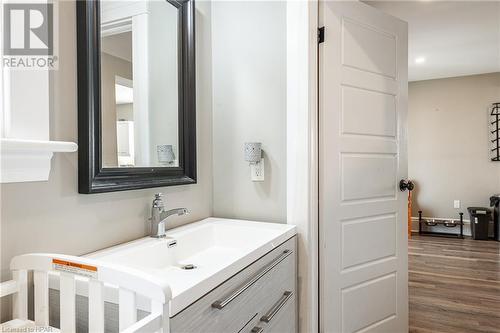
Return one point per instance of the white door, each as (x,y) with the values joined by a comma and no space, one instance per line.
(362,124)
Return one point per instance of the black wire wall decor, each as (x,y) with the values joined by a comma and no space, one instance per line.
(495,132)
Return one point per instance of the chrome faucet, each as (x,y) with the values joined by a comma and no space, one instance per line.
(159,215)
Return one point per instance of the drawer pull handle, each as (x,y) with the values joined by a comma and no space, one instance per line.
(277,307)
(220,304)
(257,329)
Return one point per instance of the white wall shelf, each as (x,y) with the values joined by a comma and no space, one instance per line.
(37,146)
(29,160)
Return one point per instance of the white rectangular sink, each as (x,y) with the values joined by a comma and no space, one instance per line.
(217,248)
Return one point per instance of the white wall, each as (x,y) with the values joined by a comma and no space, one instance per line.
(52,217)
(249,104)
(448,143)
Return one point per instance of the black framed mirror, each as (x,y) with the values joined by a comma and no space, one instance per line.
(136,94)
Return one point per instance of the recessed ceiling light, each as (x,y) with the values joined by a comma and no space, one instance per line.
(419,60)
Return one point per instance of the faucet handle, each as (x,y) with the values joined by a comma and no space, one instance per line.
(158,201)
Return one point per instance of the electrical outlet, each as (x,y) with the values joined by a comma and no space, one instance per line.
(456,204)
(257,171)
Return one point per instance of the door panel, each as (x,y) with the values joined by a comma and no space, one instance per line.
(362,120)
(368,176)
(367,303)
(379,119)
(379,233)
(368,48)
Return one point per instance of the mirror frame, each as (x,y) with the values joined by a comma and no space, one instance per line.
(92,177)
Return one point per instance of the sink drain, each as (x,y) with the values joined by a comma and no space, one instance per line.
(188,266)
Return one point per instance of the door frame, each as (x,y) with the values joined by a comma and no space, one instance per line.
(302,152)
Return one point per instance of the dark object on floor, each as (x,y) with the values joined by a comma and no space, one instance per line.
(495,203)
(446,223)
(480,218)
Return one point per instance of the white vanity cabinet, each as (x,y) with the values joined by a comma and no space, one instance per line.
(242,277)
(260,298)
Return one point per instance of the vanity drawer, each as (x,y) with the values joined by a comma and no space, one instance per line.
(248,295)
(282,319)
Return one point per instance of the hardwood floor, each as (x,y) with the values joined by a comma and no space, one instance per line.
(454,285)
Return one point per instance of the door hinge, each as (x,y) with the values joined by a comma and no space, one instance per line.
(321,35)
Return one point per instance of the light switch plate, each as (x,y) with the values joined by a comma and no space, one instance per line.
(257,171)
(456,204)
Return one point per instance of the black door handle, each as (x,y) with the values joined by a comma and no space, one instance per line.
(405,184)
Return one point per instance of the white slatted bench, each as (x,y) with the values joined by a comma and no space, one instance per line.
(129,282)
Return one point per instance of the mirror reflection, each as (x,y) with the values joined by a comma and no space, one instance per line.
(139,84)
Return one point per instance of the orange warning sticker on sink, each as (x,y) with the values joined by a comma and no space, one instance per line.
(74,268)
